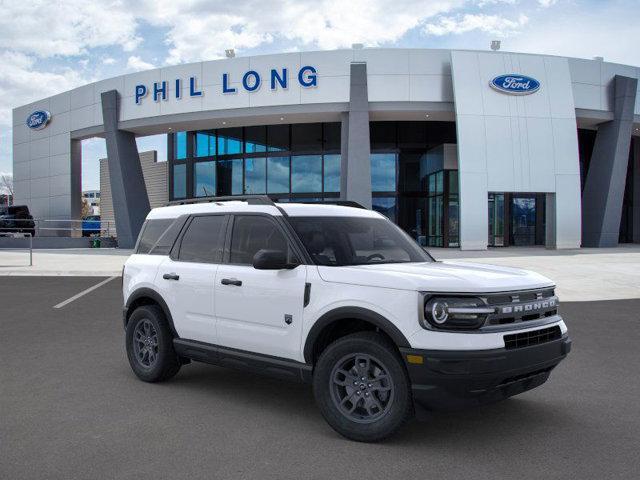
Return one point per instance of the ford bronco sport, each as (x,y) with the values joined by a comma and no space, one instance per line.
(339,297)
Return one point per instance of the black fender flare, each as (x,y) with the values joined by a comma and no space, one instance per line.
(357,313)
(157,298)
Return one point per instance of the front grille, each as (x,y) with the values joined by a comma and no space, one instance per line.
(534,337)
(525,306)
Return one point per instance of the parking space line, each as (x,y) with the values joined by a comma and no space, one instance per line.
(83,293)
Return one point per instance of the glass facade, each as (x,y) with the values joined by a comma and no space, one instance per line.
(288,162)
(410,182)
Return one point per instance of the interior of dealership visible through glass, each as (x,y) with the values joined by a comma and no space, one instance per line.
(414,175)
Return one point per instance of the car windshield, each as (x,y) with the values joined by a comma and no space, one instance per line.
(340,241)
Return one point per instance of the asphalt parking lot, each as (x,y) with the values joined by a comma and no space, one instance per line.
(71,408)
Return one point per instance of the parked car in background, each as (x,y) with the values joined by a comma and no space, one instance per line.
(91,225)
(17,219)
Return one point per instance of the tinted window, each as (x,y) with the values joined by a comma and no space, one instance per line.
(203,240)
(204,179)
(278,175)
(252,233)
(151,232)
(180,180)
(339,241)
(180,146)
(383,172)
(229,177)
(306,136)
(278,137)
(255,139)
(332,173)
(331,133)
(168,238)
(229,141)
(255,175)
(205,144)
(306,173)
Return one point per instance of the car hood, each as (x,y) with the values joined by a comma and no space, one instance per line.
(447,276)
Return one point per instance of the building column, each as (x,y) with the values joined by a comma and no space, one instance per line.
(604,187)
(128,190)
(355,178)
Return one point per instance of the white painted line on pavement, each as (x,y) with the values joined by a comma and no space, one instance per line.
(83,293)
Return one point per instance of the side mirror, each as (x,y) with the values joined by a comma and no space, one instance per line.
(271,260)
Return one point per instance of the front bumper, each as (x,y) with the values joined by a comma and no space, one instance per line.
(449,380)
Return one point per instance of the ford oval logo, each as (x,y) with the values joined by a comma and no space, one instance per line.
(515,84)
(38,119)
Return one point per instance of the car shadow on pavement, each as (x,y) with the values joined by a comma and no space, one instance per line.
(513,420)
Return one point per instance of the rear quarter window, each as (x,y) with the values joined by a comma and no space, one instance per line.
(151,233)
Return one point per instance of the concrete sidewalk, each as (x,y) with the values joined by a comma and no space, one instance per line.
(581,275)
(85,262)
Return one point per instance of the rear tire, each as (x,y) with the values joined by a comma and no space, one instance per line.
(150,345)
(362,388)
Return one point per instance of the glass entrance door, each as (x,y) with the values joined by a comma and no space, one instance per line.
(496,220)
(523,220)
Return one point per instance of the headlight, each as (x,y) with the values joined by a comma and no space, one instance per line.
(455,313)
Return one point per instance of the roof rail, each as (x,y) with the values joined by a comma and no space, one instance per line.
(250,199)
(260,200)
(340,203)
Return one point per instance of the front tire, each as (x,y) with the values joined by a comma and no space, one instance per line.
(362,387)
(150,345)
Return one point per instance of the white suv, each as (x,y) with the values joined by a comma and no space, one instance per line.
(339,297)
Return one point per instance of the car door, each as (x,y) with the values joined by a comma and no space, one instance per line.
(259,310)
(187,277)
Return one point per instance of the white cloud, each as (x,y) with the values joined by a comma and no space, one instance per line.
(8,178)
(135,63)
(108,61)
(547,3)
(21,83)
(204,30)
(491,24)
(46,28)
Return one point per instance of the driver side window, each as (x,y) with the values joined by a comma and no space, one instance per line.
(252,233)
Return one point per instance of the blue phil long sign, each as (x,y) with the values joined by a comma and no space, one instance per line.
(251,81)
(515,84)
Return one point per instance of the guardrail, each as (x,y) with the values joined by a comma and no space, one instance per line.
(44,227)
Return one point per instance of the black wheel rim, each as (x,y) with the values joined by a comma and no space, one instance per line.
(361,388)
(145,343)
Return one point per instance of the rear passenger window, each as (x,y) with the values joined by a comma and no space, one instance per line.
(152,231)
(168,238)
(252,233)
(204,240)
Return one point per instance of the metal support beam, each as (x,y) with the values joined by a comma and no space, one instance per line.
(604,187)
(128,190)
(355,178)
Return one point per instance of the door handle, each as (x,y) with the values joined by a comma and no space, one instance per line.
(231,281)
(171,276)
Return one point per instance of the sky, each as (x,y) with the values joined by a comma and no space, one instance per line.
(48,47)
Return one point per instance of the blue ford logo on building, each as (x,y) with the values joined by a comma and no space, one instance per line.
(515,84)
(38,119)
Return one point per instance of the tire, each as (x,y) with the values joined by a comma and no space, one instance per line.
(383,405)
(153,358)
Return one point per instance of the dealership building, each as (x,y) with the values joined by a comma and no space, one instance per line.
(460,148)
